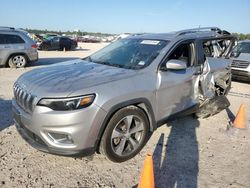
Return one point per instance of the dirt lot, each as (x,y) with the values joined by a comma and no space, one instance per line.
(187,152)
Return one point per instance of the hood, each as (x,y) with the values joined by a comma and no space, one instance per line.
(64,78)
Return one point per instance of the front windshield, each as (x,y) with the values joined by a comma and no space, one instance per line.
(129,53)
(242,47)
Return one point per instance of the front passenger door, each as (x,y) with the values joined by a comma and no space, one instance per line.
(175,90)
(55,43)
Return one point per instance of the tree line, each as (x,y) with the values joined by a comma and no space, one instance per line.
(239,36)
(59,32)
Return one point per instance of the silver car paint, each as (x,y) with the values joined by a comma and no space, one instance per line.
(6,50)
(167,91)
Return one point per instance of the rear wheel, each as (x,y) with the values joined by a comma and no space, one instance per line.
(17,61)
(125,135)
(45,47)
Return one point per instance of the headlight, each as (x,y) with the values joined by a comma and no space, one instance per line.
(72,103)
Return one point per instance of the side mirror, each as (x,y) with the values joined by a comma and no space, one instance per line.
(175,64)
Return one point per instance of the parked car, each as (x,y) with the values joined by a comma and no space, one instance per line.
(17,49)
(57,43)
(49,35)
(88,39)
(241,61)
(113,100)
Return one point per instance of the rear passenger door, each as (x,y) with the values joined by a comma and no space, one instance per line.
(9,44)
(175,90)
(55,43)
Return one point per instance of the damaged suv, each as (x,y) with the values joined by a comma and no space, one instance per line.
(111,101)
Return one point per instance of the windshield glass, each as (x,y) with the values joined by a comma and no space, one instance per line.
(129,53)
(242,47)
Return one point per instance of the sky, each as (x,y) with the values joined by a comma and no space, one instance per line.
(126,16)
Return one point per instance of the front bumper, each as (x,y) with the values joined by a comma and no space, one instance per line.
(81,125)
(33,55)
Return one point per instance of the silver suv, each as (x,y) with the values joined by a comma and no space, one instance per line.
(241,61)
(16,48)
(113,100)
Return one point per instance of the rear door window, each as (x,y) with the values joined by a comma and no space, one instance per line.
(216,48)
(13,39)
(2,39)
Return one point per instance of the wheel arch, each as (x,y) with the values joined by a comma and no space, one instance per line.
(141,103)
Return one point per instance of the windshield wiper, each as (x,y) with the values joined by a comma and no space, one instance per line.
(114,65)
(108,63)
(87,59)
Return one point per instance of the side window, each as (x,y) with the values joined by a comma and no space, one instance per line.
(63,39)
(13,39)
(56,39)
(184,52)
(2,39)
(215,48)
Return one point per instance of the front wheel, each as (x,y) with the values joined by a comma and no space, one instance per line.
(45,47)
(126,134)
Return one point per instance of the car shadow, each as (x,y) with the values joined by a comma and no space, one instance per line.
(51,61)
(6,117)
(176,160)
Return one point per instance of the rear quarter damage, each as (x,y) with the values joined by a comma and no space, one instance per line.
(215,81)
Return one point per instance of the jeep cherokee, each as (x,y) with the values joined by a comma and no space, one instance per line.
(111,101)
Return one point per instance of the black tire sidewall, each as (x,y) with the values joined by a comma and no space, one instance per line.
(45,47)
(105,146)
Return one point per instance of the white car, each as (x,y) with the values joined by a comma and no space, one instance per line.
(241,61)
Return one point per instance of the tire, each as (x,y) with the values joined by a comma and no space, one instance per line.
(69,47)
(119,142)
(73,47)
(17,61)
(45,47)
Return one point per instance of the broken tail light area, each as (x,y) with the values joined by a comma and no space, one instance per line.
(34,46)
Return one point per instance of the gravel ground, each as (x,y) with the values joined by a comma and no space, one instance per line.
(187,152)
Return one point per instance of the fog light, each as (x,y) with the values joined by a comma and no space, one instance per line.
(60,138)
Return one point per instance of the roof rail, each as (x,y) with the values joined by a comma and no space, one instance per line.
(6,28)
(195,30)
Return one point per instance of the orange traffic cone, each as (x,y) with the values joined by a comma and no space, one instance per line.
(240,120)
(147,175)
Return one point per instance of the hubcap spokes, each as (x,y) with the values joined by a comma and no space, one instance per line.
(127,135)
(18,61)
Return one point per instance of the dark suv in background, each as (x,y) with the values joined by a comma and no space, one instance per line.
(58,43)
(16,48)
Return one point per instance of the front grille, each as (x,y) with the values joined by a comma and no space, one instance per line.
(240,64)
(24,99)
